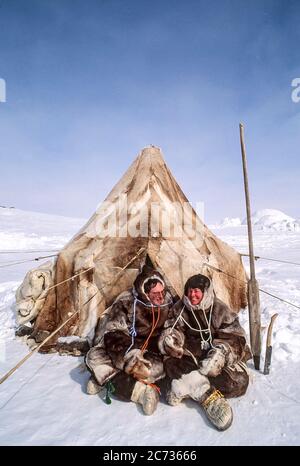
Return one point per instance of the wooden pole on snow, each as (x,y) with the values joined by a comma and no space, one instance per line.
(253,291)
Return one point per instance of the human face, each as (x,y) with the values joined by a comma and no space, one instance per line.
(195,296)
(157,294)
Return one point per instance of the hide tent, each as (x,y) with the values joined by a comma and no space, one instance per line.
(146,219)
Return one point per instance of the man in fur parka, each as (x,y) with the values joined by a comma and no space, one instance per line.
(205,350)
(126,349)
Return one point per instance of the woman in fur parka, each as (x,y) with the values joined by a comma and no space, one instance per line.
(205,352)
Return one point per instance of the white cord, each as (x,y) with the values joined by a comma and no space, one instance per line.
(200,330)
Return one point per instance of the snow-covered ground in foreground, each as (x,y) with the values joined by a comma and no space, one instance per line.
(44,402)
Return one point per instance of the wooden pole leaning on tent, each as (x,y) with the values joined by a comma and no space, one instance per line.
(9,373)
(253,291)
(268,355)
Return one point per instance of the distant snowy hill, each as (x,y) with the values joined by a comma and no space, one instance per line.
(230,222)
(275,220)
(21,230)
(265,219)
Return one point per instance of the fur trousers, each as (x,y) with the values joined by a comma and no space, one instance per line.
(232,381)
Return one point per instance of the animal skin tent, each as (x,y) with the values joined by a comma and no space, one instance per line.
(141,219)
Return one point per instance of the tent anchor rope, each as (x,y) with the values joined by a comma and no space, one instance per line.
(57,250)
(28,251)
(260,289)
(9,373)
(269,259)
(8,264)
(41,367)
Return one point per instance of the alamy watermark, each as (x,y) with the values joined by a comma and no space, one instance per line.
(296,92)
(2,90)
(165,219)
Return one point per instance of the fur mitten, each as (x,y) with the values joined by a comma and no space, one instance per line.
(171,343)
(136,365)
(214,363)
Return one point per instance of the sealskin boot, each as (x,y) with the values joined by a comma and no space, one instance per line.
(146,396)
(93,387)
(218,410)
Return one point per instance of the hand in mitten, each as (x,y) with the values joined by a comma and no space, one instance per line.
(136,365)
(214,363)
(171,343)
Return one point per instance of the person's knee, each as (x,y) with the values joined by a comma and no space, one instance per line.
(232,382)
(175,368)
(124,385)
(244,382)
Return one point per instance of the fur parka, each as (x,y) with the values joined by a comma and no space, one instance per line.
(124,328)
(196,329)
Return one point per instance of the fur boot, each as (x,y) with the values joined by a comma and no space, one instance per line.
(93,387)
(218,410)
(146,396)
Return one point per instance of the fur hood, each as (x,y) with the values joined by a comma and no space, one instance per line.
(222,321)
(141,280)
(208,294)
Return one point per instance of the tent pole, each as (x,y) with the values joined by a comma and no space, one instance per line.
(253,291)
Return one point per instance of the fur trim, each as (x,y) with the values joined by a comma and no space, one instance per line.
(146,396)
(140,281)
(137,392)
(193,385)
(171,342)
(214,363)
(136,364)
(103,373)
(197,281)
(153,277)
(207,300)
(100,365)
(93,387)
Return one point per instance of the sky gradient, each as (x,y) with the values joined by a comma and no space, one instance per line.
(90,83)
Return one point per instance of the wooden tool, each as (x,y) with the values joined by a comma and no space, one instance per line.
(269,346)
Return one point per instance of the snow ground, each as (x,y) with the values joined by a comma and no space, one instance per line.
(44,402)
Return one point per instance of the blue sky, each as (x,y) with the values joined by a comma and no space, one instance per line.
(90,83)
